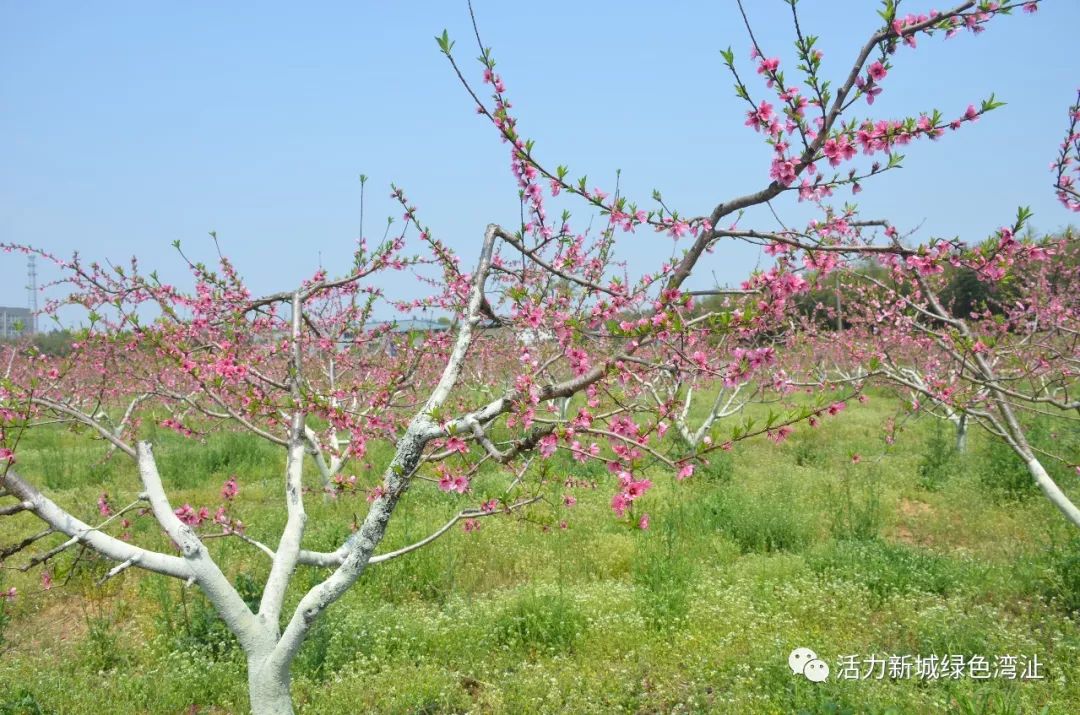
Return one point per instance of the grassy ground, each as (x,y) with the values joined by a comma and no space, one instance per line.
(917,553)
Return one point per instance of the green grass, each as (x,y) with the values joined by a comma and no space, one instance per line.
(769,548)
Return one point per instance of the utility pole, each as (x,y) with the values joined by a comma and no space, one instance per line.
(839,317)
(31,293)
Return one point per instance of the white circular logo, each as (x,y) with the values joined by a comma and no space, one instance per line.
(816,671)
(799,658)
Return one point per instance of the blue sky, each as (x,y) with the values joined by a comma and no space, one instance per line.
(127,125)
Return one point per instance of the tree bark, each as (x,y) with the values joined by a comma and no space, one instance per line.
(1051,489)
(268,688)
(961,433)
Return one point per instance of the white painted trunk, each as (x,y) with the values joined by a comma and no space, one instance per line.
(563,405)
(1052,491)
(961,433)
(268,688)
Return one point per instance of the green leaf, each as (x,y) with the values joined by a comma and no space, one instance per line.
(1023,213)
(991,103)
(444,42)
(888,11)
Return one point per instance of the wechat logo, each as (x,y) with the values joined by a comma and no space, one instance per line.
(804,661)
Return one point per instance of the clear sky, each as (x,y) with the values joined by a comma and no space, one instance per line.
(127,125)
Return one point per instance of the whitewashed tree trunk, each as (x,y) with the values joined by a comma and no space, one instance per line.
(563,406)
(1050,488)
(268,687)
(724,405)
(961,422)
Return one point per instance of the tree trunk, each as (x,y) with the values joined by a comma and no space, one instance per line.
(563,404)
(268,688)
(1051,489)
(961,433)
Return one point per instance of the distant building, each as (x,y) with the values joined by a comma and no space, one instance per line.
(411,325)
(529,337)
(414,327)
(15,322)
